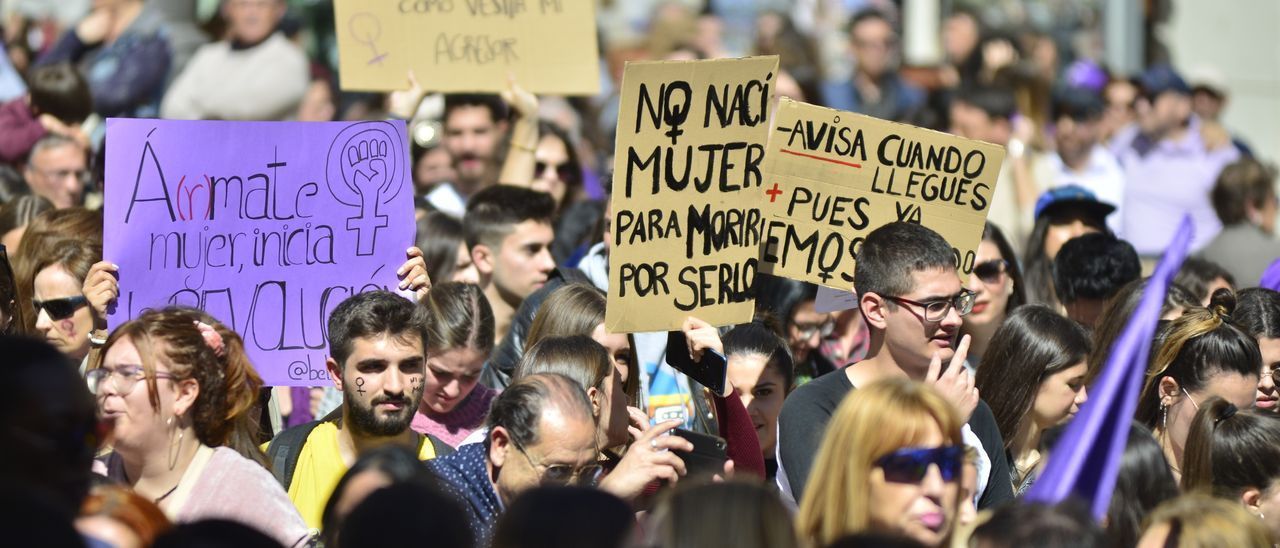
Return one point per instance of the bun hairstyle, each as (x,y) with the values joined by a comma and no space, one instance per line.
(1199,344)
(1229,450)
(222,414)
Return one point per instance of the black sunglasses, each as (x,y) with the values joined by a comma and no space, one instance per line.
(60,309)
(911,465)
(567,172)
(990,271)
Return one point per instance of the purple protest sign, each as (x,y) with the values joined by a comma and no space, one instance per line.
(265,225)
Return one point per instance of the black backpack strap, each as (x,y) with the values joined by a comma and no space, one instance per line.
(284,449)
(441,448)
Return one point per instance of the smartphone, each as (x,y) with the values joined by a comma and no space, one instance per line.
(712,371)
(708,455)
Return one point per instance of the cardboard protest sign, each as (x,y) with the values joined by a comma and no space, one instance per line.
(832,177)
(468,45)
(687,173)
(267,226)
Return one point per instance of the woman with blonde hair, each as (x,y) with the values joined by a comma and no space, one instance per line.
(578,309)
(1202,521)
(891,462)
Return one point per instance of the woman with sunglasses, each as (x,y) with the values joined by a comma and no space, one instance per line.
(180,396)
(890,462)
(1258,313)
(1235,454)
(1198,355)
(997,283)
(1033,378)
(62,313)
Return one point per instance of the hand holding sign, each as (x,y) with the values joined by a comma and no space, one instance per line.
(413,273)
(101,288)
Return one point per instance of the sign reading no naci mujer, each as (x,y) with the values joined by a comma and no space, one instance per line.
(267,226)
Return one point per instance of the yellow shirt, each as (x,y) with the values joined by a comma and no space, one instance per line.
(320,467)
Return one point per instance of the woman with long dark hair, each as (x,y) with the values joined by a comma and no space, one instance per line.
(997,281)
(1033,376)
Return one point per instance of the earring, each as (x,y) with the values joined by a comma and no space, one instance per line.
(1164,418)
(175,450)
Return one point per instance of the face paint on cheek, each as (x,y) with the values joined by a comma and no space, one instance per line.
(360,385)
(68,327)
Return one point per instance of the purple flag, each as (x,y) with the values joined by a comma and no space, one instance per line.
(1086,460)
(267,226)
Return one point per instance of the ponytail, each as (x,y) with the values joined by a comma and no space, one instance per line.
(1230,450)
(1197,456)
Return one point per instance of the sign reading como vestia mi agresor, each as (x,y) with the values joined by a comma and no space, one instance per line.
(267,226)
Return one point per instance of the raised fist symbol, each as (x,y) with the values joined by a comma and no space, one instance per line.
(367,159)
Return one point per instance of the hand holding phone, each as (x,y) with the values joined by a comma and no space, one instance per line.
(709,368)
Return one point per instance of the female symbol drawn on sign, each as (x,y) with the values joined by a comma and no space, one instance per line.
(364,171)
(366,29)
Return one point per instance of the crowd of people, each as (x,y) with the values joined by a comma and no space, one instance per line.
(497,409)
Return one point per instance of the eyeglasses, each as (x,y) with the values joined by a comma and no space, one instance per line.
(990,272)
(1275,376)
(60,309)
(937,310)
(567,172)
(563,474)
(122,378)
(807,331)
(911,465)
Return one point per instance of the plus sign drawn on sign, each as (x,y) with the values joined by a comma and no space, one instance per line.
(773,193)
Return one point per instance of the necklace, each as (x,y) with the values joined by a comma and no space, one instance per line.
(167,493)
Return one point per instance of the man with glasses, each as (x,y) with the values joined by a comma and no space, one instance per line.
(875,89)
(56,170)
(912,302)
(541,431)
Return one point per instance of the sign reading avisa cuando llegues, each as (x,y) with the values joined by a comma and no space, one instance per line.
(265,225)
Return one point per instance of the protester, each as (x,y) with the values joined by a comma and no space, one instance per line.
(444,248)
(254,73)
(459,339)
(582,359)
(565,517)
(1143,483)
(760,370)
(913,301)
(379,467)
(120,517)
(1258,314)
(1244,198)
(1201,354)
(1033,377)
(794,304)
(891,461)
(509,232)
(1080,157)
(475,127)
(62,312)
(1062,214)
(579,309)
(377,357)
(58,101)
(1027,524)
(1203,278)
(546,419)
(987,113)
(56,171)
(15,215)
(1089,271)
(998,290)
(745,515)
(404,514)
(44,233)
(1170,163)
(195,379)
(876,88)
(1234,454)
(1201,521)
(47,427)
(122,49)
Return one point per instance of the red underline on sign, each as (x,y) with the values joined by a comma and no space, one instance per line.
(850,164)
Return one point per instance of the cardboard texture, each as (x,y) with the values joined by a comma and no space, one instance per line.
(687,176)
(267,226)
(831,177)
(468,45)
